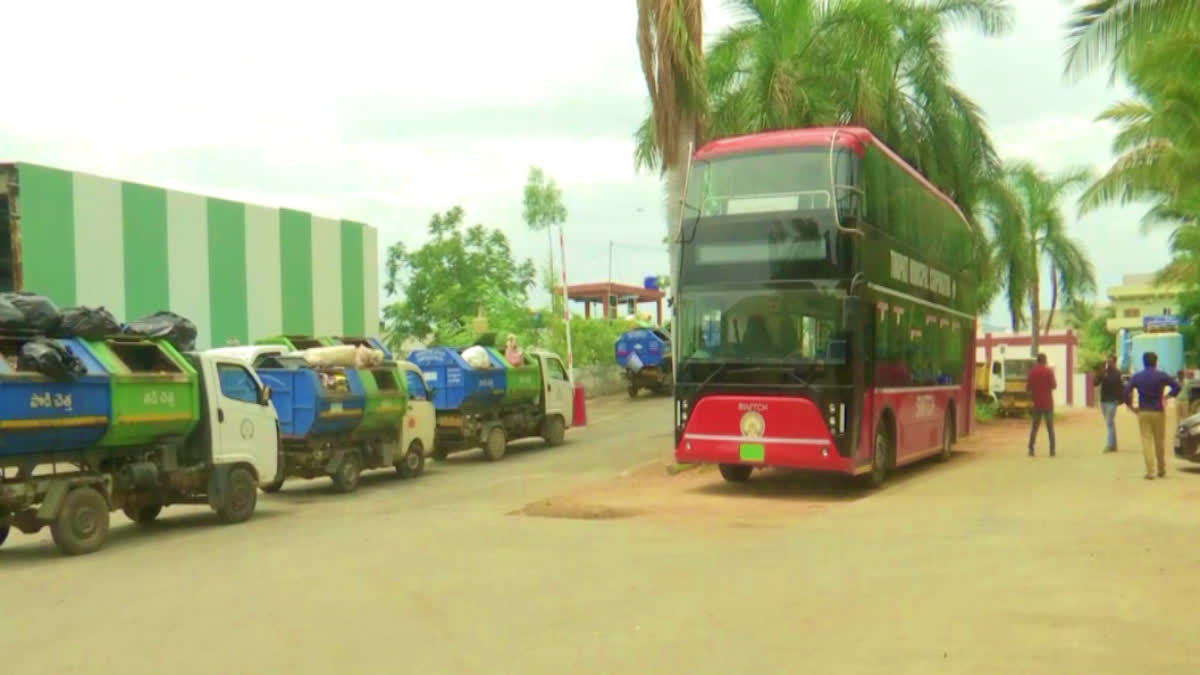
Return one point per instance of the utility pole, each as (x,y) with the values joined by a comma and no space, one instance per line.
(608,292)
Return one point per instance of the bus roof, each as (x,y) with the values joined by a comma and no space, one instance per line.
(854,138)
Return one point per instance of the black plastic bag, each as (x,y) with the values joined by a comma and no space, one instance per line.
(177,330)
(50,358)
(11,318)
(39,313)
(89,323)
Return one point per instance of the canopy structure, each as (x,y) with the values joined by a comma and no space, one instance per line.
(609,295)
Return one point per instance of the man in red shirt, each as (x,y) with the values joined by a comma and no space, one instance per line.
(1041,385)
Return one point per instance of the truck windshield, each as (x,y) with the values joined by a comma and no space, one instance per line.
(1017,368)
(783,326)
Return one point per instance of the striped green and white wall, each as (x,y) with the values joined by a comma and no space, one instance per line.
(239,271)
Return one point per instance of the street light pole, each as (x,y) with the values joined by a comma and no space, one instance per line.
(608,298)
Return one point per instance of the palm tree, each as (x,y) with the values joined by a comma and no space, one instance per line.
(1118,31)
(879,63)
(670,43)
(1029,228)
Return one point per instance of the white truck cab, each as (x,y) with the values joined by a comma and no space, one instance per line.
(250,355)
(420,420)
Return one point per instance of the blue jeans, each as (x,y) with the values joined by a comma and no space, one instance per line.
(1038,416)
(1109,410)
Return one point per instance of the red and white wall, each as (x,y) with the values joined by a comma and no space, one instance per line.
(1059,346)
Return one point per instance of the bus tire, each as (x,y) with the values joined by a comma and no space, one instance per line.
(412,464)
(947,435)
(495,444)
(82,523)
(735,473)
(881,456)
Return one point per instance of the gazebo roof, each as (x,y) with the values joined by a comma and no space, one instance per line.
(597,292)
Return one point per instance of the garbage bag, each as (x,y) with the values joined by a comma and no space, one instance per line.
(337,356)
(11,318)
(39,314)
(365,357)
(50,358)
(89,323)
(477,357)
(175,329)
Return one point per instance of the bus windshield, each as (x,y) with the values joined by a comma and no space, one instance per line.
(764,182)
(763,325)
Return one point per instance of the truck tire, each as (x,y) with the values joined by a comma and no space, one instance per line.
(554,431)
(82,523)
(3,533)
(240,497)
(273,487)
(345,478)
(412,464)
(735,473)
(495,444)
(633,391)
(440,454)
(142,514)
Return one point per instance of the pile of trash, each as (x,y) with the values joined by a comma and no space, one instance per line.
(30,314)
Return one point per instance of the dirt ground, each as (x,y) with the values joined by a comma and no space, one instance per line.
(990,563)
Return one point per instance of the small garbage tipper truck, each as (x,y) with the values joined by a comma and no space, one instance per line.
(492,402)
(337,420)
(140,427)
(645,355)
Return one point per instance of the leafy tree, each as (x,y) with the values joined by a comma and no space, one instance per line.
(450,277)
(542,208)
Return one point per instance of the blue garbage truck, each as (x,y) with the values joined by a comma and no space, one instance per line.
(645,355)
(488,405)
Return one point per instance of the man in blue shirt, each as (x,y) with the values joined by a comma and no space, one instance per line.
(1149,383)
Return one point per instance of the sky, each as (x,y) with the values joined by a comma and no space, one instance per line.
(390,112)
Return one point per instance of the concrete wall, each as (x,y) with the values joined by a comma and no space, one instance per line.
(601,380)
(1059,348)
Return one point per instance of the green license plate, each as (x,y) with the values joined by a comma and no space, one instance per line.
(751,452)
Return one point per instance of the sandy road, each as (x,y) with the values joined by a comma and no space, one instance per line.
(991,563)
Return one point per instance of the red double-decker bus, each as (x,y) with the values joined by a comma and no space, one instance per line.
(825,312)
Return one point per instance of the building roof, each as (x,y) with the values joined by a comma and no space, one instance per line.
(597,292)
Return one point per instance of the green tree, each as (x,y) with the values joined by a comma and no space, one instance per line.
(670,43)
(450,277)
(1029,233)
(542,208)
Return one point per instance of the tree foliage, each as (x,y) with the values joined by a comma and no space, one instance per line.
(446,281)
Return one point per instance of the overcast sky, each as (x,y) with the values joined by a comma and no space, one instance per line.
(388,113)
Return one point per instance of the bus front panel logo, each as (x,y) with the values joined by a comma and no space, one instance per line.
(753,425)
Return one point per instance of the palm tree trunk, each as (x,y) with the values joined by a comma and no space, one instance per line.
(677,169)
(1053,299)
(1035,301)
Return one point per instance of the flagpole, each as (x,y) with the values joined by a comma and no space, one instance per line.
(562,247)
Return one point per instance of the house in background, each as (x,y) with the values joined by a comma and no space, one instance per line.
(1138,297)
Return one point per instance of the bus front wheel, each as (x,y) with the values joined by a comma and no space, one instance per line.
(881,457)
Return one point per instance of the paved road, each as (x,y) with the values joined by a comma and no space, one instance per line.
(991,563)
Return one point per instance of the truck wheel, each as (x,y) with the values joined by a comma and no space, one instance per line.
(554,431)
(413,462)
(736,473)
(241,498)
(633,391)
(82,523)
(496,444)
(440,454)
(274,486)
(3,533)
(142,514)
(947,436)
(345,478)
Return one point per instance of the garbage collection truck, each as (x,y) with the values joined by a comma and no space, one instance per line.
(337,421)
(143,427)
(490,406)
(645,355)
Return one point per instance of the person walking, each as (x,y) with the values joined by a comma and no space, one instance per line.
(1112,392)
(1040,384)
(1149,383)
